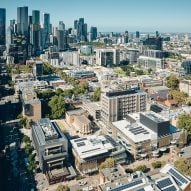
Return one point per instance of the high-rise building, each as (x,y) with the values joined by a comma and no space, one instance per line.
(81,30)
(107,57)
(116,105)
(46,30)
(2,26)
(154,43)
(137,34)
(61,25)
(93,33)
(75,24)
(35,32)
(60,39)
(22,21)
(10,33)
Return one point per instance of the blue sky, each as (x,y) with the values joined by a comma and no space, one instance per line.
(113,15)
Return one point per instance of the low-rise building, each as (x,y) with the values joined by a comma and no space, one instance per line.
(79,120)
(52,151)
(158,92)
(25,77)
(147,134)
(93,108)
(91,151)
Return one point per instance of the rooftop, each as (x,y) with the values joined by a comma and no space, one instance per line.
(47,132)
(92,146)
(154,116)
(179,178)
(135,131)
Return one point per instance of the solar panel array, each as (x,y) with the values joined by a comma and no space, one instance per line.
(81,139)
(141,189)
(129,185)
(179,179)
(138,130)
(164,183)
(171,188)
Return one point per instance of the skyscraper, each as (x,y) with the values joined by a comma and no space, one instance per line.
(60,39)
(2,26)
(81,30)
(10,33)
(93,33)
(137,34)
(61,25)
(75,24)
(36,17)
(35,32)
(22,21)
(46,30)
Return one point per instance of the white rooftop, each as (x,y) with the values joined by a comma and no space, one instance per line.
(143,133)
(91,146)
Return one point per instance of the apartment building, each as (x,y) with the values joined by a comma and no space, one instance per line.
(52,151)
(116,105)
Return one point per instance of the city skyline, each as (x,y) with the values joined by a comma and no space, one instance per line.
(116,16)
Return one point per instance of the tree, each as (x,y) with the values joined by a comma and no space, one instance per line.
(108,163)
(180,97)
(124,62)
(24,122)
(150,71)
(139,72)
(157,164)
(142,168)
(26,139)
(57,107)
(47,69)
(97,94)
(172,82)
(62,188)
(183,166)
(184,122)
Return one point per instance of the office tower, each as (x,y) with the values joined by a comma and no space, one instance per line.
(157,34)
(93,33)
(116,105)
(126,37)
(22,21)
(35,32)
(108,57)
(10,33)
(81,30)
(137,34)
(60,39)
(61,25)
(2,26)
(30,20)
(45,31)
(75,24)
